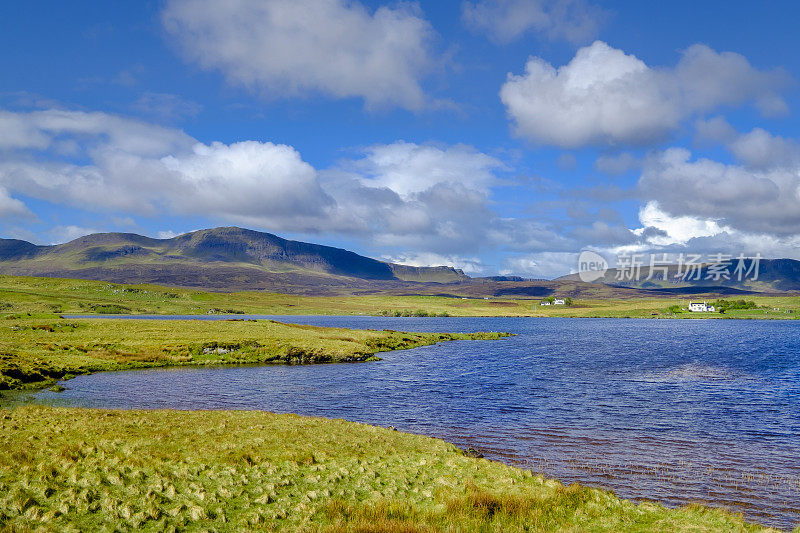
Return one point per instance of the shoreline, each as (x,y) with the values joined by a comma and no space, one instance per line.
(211,318)
(36,353)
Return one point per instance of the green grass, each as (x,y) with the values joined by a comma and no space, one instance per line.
(100,470)
(48,297)
(35,352)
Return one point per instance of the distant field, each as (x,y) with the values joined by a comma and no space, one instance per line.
(100,470)
(52,296)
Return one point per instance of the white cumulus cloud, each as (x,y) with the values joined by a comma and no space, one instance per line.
(248,178)
(122,165)
(604,96)
(409,168)
(283,48)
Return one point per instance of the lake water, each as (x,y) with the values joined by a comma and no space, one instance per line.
(672,410)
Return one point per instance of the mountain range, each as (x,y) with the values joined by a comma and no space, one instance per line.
(220,258)
(231,258)
(762,276)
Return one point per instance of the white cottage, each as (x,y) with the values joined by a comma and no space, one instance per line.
(701,307)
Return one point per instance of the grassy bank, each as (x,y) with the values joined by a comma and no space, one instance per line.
(93,470)
(35,352)
(20,296)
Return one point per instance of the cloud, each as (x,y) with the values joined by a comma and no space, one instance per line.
(713,130)
(123,221)
(761,149)
(672,229)
(729,241)
(166,234)
(246,179)
(409,168)
(286,48)
(605,97)
(11,207)
(123,165)
(617,164)
(423,196)
(543,265)
(707,206)
(754,200)
(62,234)
(130,76)
(18,132)
(529,234)
(758,148)
(575,21)
(44,130)
(400,196)
(471,266)
(599,232)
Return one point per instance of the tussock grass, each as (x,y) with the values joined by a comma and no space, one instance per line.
(101,470)
(35,352)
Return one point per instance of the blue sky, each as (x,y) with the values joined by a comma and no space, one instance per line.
(496,136)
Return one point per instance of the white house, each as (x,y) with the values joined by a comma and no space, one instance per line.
(544,302)
(701,307)
(559,302)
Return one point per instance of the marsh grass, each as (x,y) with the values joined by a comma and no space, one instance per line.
(36,352)
(94,470)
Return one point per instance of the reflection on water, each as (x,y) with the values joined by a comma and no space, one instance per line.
(674,410)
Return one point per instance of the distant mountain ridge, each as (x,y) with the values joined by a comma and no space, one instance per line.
(212,255)
(765,275)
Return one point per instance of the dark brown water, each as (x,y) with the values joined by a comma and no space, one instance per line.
(672,410)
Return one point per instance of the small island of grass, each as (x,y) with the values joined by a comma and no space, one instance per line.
(36,352)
